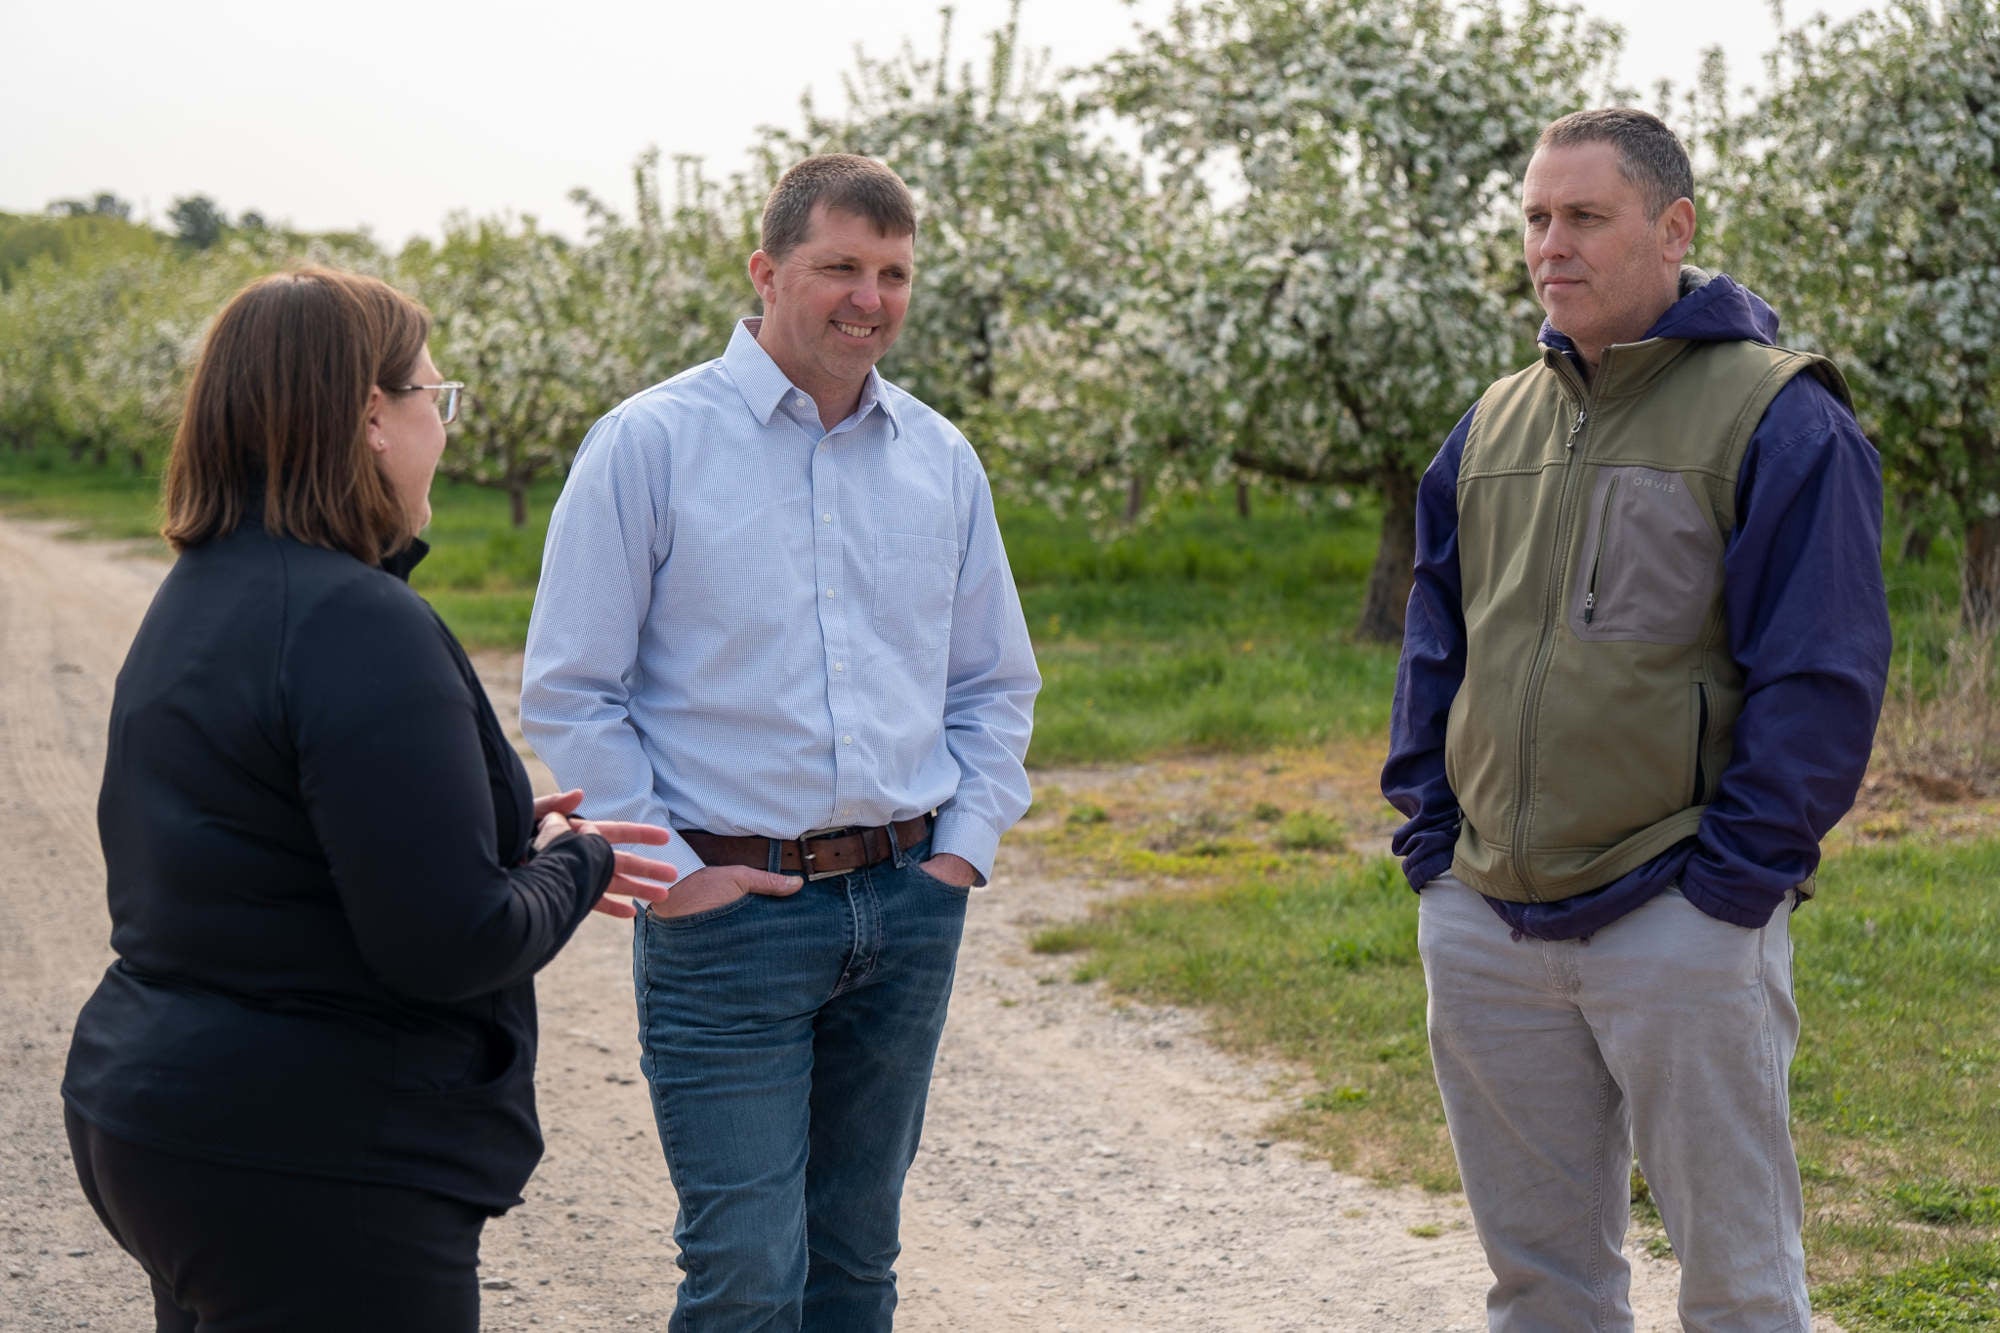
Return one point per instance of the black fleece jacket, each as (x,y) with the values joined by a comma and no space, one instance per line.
(323,899)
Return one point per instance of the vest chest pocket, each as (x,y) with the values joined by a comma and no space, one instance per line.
(1649,568)
(915,578)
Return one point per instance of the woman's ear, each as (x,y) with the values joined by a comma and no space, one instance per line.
(371,419)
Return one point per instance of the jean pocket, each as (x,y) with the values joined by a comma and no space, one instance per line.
(926,877)
(693,919)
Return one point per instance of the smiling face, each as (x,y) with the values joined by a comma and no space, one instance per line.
(407,435)
(1602,269)
(833,304)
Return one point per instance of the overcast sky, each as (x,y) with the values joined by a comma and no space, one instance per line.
(393,113)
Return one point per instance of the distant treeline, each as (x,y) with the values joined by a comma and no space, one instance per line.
(1301,276)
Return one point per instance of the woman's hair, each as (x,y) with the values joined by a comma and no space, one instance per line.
(277,414)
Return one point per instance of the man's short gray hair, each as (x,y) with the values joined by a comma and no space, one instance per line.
(1649,154)
(843,181)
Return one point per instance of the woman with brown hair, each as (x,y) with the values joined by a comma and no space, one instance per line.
(308,1078)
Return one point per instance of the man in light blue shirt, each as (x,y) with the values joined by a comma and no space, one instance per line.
(776,616)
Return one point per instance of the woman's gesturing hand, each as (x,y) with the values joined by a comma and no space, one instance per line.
(632,876)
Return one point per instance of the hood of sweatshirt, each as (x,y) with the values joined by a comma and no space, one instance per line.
(1711,308)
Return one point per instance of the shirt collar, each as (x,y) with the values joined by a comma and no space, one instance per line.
(764,386)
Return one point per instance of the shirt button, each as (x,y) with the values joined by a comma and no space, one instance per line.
(839,667)
(826,518)
(801,402)
(829,592)
(847,740)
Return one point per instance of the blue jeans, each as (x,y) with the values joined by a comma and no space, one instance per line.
(788,1044)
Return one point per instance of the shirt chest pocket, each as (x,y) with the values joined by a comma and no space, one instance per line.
(1650,566)
(915,578)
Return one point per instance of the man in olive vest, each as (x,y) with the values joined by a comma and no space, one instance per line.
(1641,670)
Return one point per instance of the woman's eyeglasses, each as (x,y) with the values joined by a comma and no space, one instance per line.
(448,395)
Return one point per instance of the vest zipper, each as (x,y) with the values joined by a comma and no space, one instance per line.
(1700,739)
(1538,672)
(1597,556)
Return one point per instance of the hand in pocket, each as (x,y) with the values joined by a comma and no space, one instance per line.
(949,869)
(718,886)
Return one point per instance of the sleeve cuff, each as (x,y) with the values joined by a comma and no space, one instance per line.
(1421,870)
(1729,907)
(967,836)
(594,875)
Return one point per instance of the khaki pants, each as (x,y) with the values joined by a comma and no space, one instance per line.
(1668,1030)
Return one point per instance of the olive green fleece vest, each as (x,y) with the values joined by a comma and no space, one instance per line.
(1600,696)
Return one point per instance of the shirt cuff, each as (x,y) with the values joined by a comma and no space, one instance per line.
(1422,870)
(967,836)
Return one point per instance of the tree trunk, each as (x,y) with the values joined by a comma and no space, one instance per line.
(1388,593)
(1242,498)
(982,357)
(1135,497)
(1979,581)
(1915,548)
(517,502)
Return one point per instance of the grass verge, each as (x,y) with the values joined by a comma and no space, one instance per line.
(111,503)
(1310,955)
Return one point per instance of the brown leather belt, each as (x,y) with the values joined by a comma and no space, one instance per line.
(820,856)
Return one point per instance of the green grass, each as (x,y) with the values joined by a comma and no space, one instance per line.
(112,503)
(1896,1089)
(1923,607)
(1898,974)
(1896,1086)
(481,572)
(1961,1291)
(1948,1202)
(1202,632)
(1199,633)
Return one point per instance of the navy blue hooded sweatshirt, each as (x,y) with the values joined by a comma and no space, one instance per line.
(1808,622)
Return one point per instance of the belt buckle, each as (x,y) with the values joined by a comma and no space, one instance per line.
(806,857)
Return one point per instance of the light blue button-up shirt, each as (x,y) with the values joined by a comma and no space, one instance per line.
(750,624)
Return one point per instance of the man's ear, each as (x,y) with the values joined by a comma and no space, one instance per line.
(763,269)
(1677,230)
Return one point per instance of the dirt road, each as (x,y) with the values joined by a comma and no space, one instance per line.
(1086,1166)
